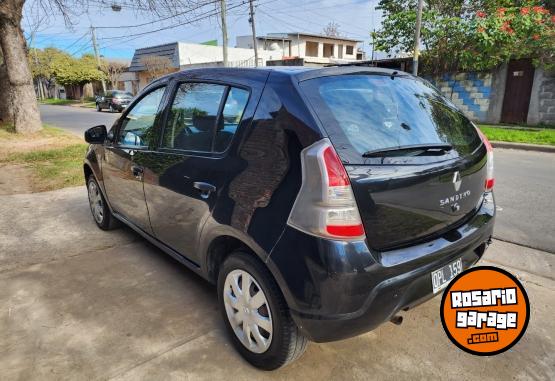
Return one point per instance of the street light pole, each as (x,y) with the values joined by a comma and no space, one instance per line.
(224,29)
(95,48)
(254,42)
(417,38)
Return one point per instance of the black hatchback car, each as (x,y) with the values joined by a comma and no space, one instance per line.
(320,201)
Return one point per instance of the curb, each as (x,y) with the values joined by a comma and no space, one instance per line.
(524,146)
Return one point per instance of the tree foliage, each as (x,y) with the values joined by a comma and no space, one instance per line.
(156,66)
(332,29)
(113,70)
(469,35)
(54,64)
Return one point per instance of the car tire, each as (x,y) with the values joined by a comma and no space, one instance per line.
(99,208)
(98,108)
(283,342)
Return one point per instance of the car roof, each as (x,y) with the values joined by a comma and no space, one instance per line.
(299,72)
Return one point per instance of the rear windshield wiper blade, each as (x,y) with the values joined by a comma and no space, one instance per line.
(414,147)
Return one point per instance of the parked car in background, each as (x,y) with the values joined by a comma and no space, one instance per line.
(113,100)
(320,201)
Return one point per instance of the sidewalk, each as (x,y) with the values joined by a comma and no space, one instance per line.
(80,303)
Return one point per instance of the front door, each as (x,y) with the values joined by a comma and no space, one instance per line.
(122,169)
(518,88)
(192,166)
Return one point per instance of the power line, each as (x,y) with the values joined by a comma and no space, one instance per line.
(159,20)
(203,16)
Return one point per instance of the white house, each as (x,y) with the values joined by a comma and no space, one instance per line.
(314,49)
(181,55)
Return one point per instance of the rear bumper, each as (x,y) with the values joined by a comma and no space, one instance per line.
(337,290)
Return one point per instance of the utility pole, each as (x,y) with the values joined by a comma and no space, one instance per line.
(254,42)
(224,29)
(95,47)
(417,38)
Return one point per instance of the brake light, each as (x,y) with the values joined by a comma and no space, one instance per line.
(490,180)
(325,205)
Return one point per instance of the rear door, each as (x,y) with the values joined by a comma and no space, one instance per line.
(123,162)
(404,194)
(195,160)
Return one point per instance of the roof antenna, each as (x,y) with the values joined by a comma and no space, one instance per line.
(394,74)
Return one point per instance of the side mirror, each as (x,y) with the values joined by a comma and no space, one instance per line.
(96,134)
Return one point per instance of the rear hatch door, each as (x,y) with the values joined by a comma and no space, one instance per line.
(416,163)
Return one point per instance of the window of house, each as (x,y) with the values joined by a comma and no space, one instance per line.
(311,49)
(350,50)
(328,50)
(139,121)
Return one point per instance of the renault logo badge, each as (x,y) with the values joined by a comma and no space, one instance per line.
(457,181)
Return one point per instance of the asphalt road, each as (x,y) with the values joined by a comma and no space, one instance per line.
(525,182)
(75,119)
(524,189)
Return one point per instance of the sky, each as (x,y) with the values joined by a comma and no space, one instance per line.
(356,18)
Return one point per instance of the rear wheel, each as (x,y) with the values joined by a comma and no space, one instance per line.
(256,314)
(99,209)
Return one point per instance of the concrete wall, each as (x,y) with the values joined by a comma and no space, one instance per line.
(470,92)
(480,95)
(192,54)
(542,100)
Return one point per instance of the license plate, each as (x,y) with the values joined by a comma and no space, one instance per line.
(444,275)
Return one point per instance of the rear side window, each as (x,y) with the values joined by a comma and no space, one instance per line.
(373,112)
(195,122)
(232,113)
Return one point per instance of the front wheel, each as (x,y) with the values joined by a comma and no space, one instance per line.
(99,209)
(256,314)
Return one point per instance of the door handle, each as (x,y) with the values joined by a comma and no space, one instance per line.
(137,171)
(204,188)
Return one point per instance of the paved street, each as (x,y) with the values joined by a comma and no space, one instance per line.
(525,182)
(524,189)
(80,303)
(76,119)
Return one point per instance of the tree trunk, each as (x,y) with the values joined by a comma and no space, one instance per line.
(22,103)
(5,116)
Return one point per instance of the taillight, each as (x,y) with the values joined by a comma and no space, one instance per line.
(490,180)
(325,205)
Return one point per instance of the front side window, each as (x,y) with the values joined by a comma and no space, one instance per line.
(194,123)
(138,124)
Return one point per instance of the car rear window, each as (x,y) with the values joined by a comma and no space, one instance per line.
(366,112)
(123,95)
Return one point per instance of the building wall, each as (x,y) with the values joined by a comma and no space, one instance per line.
(470,92)
(542,100)
(192,54)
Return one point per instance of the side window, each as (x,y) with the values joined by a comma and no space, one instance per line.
(193,116)
(139,122)
(232,113)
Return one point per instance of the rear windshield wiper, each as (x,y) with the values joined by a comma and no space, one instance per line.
(440,148)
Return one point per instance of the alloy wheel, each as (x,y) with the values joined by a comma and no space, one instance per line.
(248,311)
(95,202)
